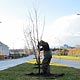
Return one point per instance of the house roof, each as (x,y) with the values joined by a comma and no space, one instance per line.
(2,44)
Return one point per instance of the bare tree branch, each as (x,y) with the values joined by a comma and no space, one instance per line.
(42,29)
(32,33)
(36,24)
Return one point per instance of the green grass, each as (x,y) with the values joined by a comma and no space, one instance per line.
(19,72)
(67,57)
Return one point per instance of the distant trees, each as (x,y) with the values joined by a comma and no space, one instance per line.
(62,52)
(68,51)
(74,52)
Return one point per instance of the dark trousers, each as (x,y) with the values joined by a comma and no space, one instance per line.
(45,65)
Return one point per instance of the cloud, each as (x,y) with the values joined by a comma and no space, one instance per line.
(66,29)
(77,34)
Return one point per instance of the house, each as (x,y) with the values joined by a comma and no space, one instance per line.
(4,50)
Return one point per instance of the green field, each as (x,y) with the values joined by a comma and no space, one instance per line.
(67,57)
(19,72)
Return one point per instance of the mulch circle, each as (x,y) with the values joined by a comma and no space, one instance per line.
(46,75)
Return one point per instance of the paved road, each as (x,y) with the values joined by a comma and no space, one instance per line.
(13,62)
(70,63)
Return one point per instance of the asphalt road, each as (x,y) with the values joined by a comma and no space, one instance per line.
(5,64)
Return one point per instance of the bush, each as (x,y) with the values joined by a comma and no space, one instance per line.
(14,56)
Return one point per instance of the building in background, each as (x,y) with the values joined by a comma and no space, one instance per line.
(4,50)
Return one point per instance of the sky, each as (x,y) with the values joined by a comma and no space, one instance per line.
(60,21)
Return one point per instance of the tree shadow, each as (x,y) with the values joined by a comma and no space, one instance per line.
(47,76)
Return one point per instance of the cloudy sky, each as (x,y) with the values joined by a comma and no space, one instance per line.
(62,25)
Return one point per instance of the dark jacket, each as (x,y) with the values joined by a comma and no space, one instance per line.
(46,48)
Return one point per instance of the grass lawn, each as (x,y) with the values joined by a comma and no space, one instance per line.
(19,72)
(67,57)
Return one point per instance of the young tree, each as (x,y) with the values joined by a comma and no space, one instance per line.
(33,34)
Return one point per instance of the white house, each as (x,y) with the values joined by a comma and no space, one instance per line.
(4,49)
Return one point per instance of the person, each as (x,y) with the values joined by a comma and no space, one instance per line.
(47,56)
